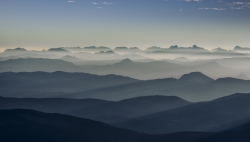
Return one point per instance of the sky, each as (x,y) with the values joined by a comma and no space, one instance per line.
(42,24)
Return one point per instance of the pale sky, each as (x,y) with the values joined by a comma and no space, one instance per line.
(42,24)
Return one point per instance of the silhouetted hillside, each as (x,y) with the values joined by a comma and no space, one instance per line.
(71,59)
(51,105)
(135,69)
(115,88)
(212,69)
(196,76)
(160,69)
(237,63)
(139,70)
(242,128)
(34,83)
(124,62)
(118,111)
(37,64)
(100,110)
(28,125)
(239,133)
(190,90)
(120,92)
(196,117)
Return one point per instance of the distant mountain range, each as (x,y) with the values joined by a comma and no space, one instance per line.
(37,64)
(239,48)
(233,63)
(72,59)
(154,49)
(58,53)
(160,69)
(144,69)
(142,65)
(192,87)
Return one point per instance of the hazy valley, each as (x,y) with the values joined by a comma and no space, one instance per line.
(199,99)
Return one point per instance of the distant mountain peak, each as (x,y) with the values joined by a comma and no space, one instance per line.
(121,48)
(57,50)
(221,50)
(213,63)
(154,48)
(241,48)
(242,76)
(16,49)
(218,49)
(106,52)
(182,59)
(69,57)
(134,48)
(126,61)
(196,76)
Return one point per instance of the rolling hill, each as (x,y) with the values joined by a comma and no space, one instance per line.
(30,126)
(193,87)
(37,64)
(160,69)
(99,110)
(43,84)
(203,116)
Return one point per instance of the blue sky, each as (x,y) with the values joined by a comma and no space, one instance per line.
(41,24)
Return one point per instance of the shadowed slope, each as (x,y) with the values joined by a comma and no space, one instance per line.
(29,126)
(196,117)
(197,77)
(192,87)
(30,84)
(100,110)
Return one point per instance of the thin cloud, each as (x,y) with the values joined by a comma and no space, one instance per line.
(190,0)
(217,9)
(106,3)
(239,5)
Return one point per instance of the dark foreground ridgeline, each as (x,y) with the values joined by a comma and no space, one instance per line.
(33,126)
(29,126)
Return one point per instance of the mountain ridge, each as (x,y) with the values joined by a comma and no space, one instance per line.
(201,116)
